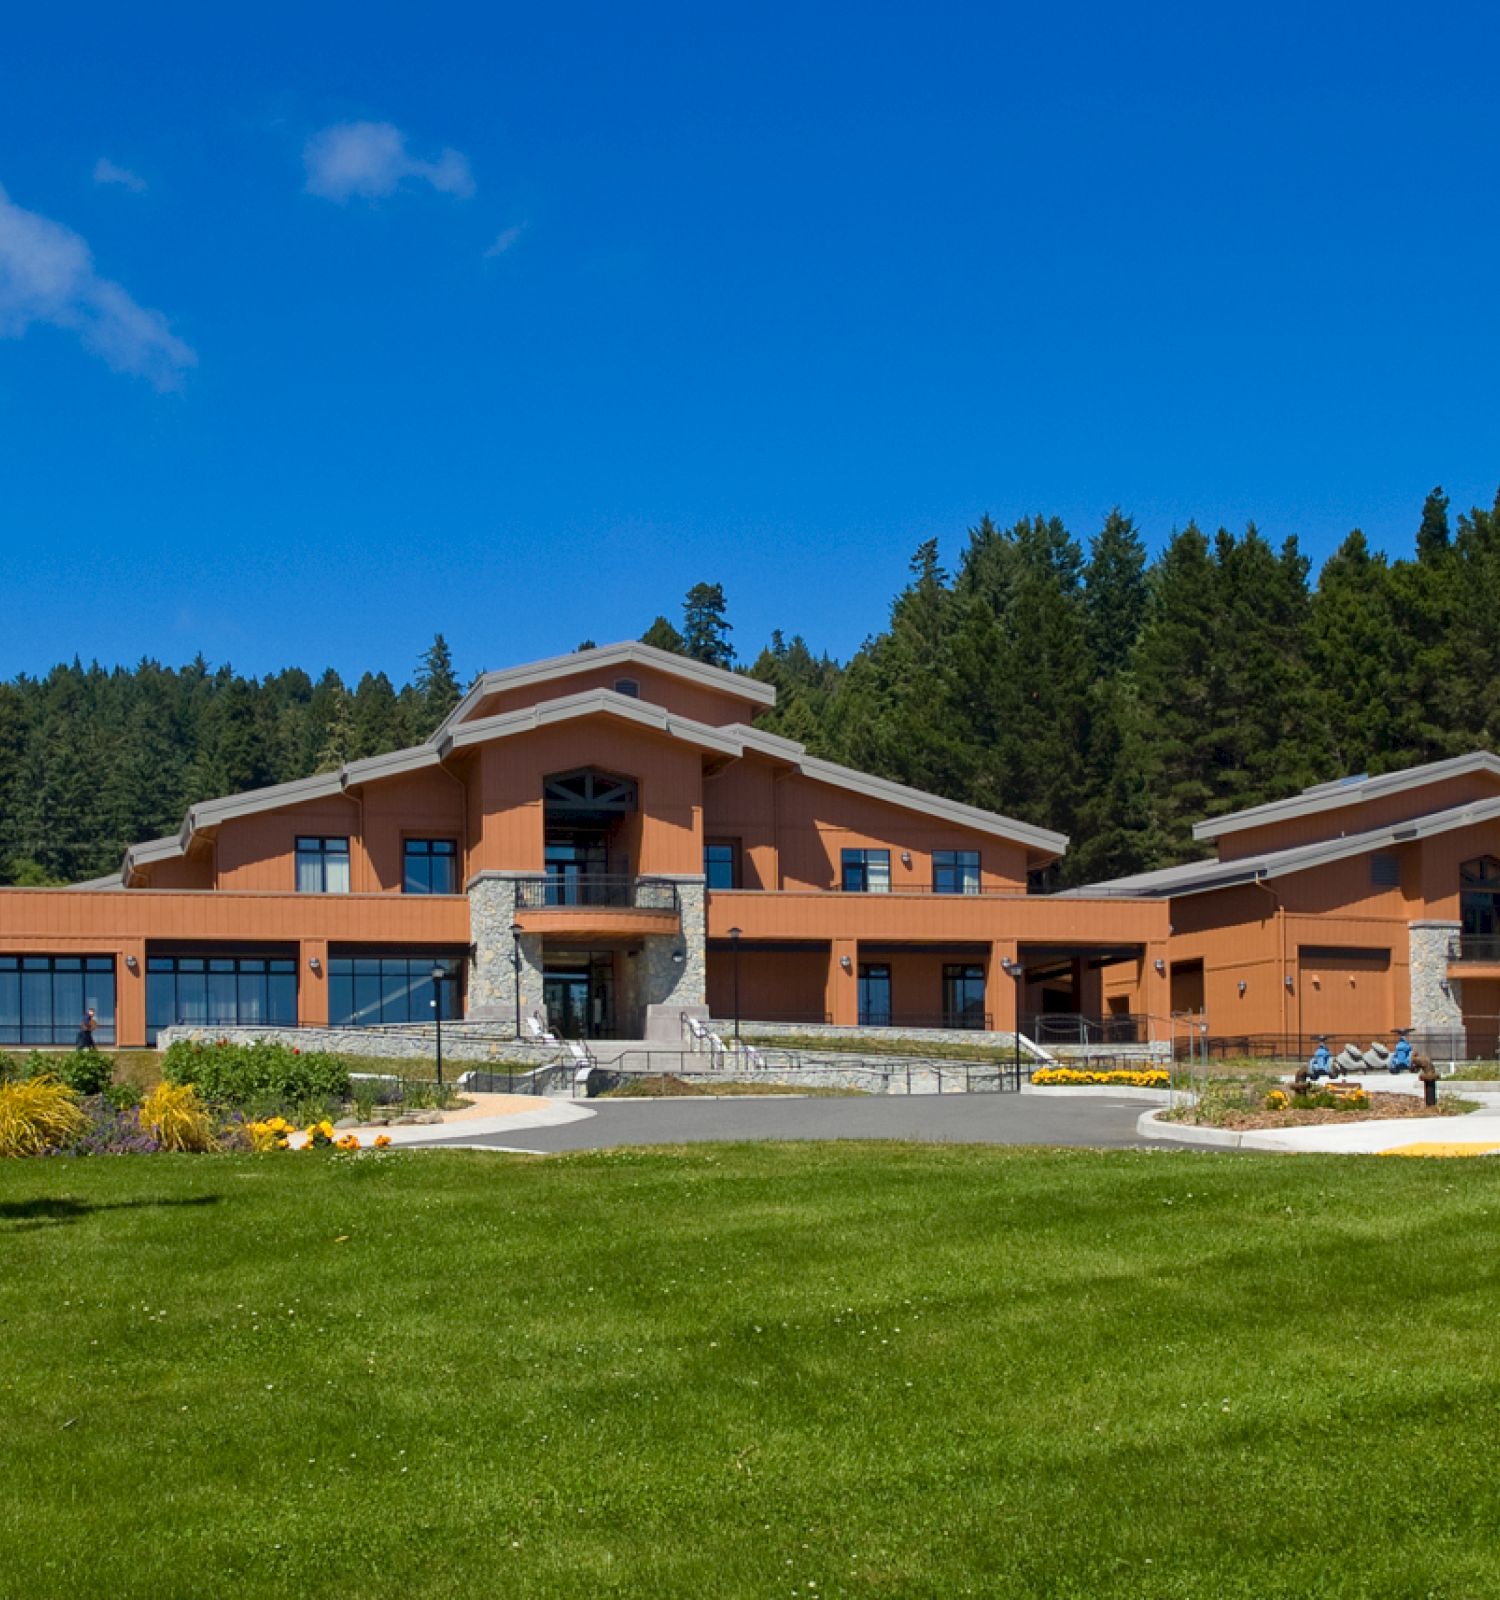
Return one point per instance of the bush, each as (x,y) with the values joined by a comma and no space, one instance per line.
(260,1074)
(84,1071)
(38,1114)
(176,1119)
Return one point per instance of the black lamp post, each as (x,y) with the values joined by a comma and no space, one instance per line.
(437,1016)
(1015,971)
(734,944)
(515,967)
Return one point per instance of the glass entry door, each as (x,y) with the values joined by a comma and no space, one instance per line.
(566,996)
(579,993)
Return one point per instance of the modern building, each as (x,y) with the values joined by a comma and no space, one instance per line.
(607,838)
(1350,910)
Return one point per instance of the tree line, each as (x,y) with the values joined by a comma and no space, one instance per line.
(1085,688)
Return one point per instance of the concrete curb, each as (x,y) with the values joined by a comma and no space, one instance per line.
(1112,1091)
(1149,1126)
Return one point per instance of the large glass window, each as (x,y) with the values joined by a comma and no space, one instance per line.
(1479,898)
(365,991)
(721,864)
(874,995)
(955,871)
(43,998)
(430,866)
(220,991)
(322,866)
(963,996)
(867,871)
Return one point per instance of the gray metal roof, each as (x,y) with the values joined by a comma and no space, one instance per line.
(1200,877)
(1347,792)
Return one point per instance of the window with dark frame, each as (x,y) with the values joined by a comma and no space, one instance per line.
(866,871)
(322,864)
(955,871)
(721,863)
(429,866)
(1479,898)
(963,995)
(220,991)
(43,998)
(874,995)
(366,991)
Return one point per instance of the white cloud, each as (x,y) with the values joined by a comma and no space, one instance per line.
(105,171)
(505,240)
(370,159)
(47,275)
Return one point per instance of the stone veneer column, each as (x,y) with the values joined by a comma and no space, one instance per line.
(1436,1013)
(663,981)
(492,982)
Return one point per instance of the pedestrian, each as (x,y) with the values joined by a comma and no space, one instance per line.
(85,1039)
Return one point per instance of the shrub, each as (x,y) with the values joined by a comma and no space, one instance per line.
(175,1118)
(259,1074)
(84,1071)
(38,1114)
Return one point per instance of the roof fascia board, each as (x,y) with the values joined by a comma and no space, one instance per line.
(625,653)
(391,765)
(908,799)
(592,703)
(207,813)
(1334,797)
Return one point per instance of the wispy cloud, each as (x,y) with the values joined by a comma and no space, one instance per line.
(47,275)
(505,240)
(105,171)
(370,159)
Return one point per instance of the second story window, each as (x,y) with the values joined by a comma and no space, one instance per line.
(430,866)
(955,871)
(866,872)
(721,866)
(322,865)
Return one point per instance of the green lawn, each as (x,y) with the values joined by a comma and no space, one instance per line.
(810,1370)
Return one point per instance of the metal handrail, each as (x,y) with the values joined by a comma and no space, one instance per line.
(549,892)
(1072,1027)
(1474,947)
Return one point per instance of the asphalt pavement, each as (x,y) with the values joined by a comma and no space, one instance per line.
(1090,1122)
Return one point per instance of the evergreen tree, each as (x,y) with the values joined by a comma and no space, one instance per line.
(706,626)
(1114,590)
(234,753)
(436,684)
(1432,534)
(338,731)
(376,718)
(663,636)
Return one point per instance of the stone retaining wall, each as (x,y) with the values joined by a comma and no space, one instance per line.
(461,1042)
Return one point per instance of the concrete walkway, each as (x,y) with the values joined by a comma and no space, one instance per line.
(1094,1122)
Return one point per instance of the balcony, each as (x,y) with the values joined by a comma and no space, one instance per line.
(598,904)
(1475,950)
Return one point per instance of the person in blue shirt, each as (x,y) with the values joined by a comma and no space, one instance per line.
(1401,1055)
(1321,1065)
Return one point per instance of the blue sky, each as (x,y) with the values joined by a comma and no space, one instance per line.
(323,329)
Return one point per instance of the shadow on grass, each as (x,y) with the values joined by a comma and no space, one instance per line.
(51,1211)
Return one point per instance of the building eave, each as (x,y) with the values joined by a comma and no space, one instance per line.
(1352,792)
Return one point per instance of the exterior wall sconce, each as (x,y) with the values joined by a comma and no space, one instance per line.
(1161,967)
(1242,986)
(132,964)
(906,858)
(315,964)
(1445,986)
(1287,980)
(678,957)
(846,963)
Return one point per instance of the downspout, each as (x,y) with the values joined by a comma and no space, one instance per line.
(1281,984)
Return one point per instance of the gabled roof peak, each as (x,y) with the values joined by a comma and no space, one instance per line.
(626,653)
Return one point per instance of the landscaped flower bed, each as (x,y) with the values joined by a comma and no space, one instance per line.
(1120,1077)
(1245,1106)
(212,1098)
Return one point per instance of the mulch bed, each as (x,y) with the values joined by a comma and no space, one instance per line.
(1382,1108)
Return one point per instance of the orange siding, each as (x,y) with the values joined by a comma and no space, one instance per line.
(695,701)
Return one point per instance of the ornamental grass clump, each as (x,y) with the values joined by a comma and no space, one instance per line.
(176,1119)
(38,1115)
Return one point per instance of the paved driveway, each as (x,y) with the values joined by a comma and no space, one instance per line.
(952,1119)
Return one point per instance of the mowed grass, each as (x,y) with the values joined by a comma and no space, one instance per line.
(811,1370)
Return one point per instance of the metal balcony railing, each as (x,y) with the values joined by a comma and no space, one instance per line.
(561,891)
(1474,947)
(1071,1027)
